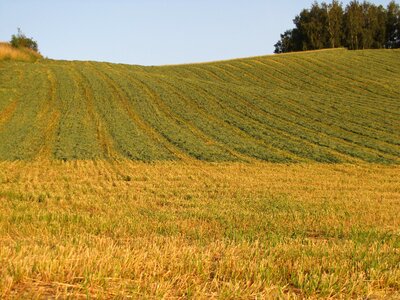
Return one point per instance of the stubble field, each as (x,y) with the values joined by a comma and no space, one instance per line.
(199,230)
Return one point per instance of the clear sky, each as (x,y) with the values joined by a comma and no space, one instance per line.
(151,32)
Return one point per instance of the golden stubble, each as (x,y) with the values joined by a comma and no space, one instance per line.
(9,53)
(198,230)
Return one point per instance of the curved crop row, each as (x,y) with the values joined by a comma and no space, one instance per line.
(328,106)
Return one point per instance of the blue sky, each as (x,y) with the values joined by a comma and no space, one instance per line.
(151,32)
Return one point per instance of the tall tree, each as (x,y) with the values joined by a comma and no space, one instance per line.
(290,41)
(374,26)
(300,22)
(393,26)
(354,21)
(334,14)
(311,26)
(380,27)
(285,44)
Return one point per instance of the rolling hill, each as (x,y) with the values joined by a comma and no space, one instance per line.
(324,106)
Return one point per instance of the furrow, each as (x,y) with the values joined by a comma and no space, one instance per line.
(185,121)
(217,111)
(103,137)
(50,116)
(135,117)
(321,104)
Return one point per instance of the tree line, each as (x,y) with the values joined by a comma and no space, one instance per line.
(359,25)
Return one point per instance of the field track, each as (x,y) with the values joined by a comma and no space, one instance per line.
(324,106)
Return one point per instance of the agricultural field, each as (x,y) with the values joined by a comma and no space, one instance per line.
(333,106)
(199,230)
(256,178)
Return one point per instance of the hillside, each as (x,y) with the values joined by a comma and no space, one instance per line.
(83,215)
(325,106)
(7,52)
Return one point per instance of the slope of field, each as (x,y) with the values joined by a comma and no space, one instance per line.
(327,106)
(82,216)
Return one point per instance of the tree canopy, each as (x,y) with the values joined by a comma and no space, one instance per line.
(359,25)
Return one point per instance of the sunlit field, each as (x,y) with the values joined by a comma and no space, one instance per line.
(9,53)
(257,178)
(333,106)
(198,230)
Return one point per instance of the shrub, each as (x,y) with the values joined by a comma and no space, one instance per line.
(21,41)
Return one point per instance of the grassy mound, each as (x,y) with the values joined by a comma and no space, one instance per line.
(21,54)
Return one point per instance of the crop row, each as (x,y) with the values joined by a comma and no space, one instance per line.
(332,106)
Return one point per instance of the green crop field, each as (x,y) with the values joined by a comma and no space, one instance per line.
(327,106)
(271,177)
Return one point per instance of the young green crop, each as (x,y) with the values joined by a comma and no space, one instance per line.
(327,106)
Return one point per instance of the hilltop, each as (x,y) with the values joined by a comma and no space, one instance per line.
(324,106)
(7,52)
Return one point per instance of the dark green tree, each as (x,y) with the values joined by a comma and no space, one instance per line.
(311,25)
(354,23)
(380,29)
(393,26)
(285,44)
(361,25)
(290,41)
(374,26)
